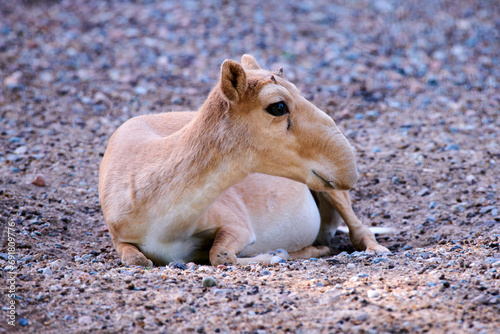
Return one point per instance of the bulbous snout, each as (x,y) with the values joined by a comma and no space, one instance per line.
(346,179)
(346,173)
(337,167)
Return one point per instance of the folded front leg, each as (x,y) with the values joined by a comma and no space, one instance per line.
(230,241)
(361,236)
(132,256)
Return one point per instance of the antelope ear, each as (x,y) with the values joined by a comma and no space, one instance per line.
(249,63)
(233,80)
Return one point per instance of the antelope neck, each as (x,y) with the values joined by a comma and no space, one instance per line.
(203,161)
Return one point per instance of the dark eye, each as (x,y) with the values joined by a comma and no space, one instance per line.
(277,109)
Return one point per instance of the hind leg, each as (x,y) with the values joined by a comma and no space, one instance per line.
(265,257)
(305,253)
(361,236)
(132,256)
(311,251)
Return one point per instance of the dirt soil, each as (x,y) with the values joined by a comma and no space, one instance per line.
(414,85)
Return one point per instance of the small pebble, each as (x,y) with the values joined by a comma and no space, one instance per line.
(451,263)
(47,271)
(276,259)
(100,97)
(13,80)
(138,315)
(39,181)
(208,282)
(85,320)
(481,299)
(23,322)
(378,260)
(55,287)
(452,147)
(486,209)
(424,192)
(363,316)
(177,100)
(177,265)
(372,114)
(222,291)
(491,260)
(21,150)
(139,90)
(471,179)
(38,156)
(373,294)
(457,208)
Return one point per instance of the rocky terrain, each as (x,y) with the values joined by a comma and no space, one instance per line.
(414,85)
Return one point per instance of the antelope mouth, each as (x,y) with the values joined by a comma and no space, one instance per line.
(328,184)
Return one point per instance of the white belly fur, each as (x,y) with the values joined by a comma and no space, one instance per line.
(282,214)
(291,226)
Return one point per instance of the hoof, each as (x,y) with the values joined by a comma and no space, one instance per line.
(141,261)
(222,256)
(377,249)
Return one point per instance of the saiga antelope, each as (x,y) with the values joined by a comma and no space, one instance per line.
(233,181)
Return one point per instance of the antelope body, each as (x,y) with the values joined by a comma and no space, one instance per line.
(233,179)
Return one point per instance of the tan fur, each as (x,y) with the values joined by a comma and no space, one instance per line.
(180,186)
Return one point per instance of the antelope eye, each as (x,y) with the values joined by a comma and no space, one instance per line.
(277,109)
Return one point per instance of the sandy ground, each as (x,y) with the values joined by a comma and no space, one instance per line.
(414,85)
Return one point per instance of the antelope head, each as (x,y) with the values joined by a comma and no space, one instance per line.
(285,134)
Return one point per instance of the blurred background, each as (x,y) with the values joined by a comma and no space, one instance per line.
(149,55)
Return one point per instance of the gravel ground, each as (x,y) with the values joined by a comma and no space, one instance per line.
(413,84)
